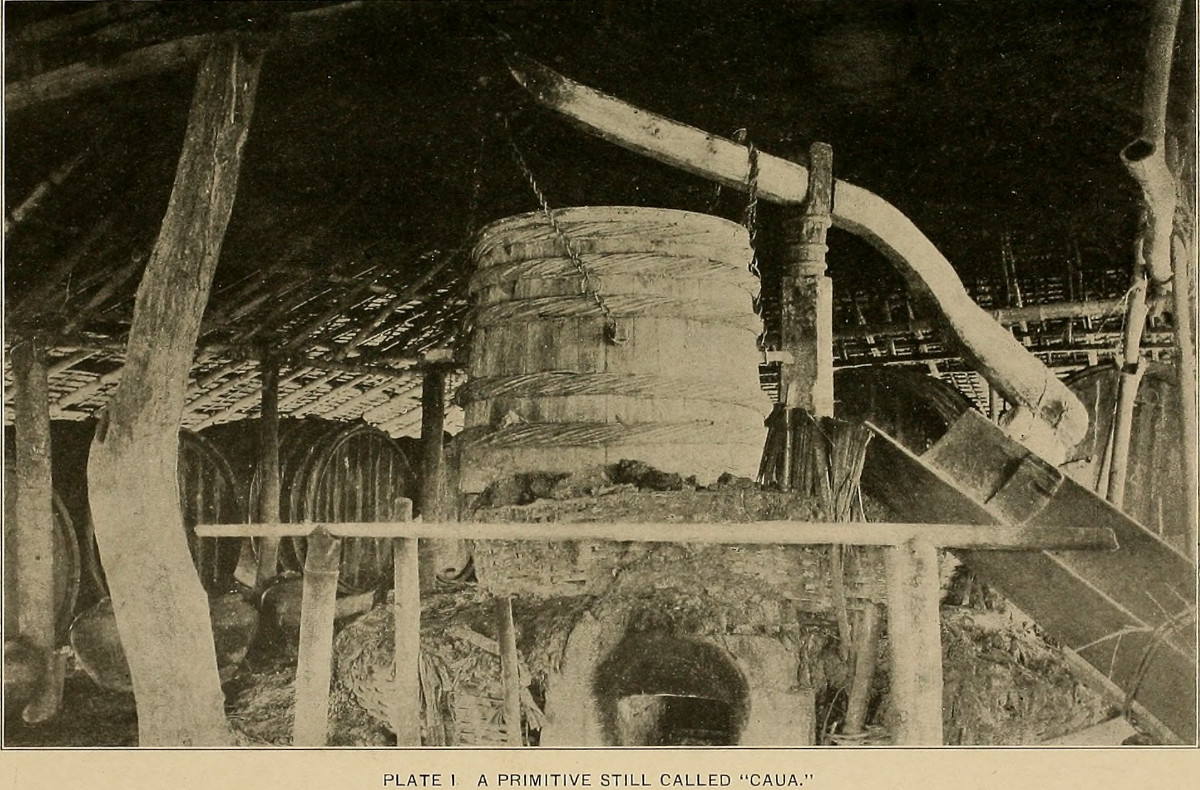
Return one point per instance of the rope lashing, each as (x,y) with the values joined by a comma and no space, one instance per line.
(550,307)
(569,383)
(590,434)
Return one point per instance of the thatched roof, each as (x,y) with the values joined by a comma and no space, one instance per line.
(379,146)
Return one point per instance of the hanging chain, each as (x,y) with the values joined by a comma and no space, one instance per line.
(750,217)
(750,222)
(612,333)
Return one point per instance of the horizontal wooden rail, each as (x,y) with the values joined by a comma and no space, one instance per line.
(796,533)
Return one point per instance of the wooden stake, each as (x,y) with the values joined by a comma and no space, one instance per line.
(915,644)
(406,701)
(160,606)
(866,645)
(268,469)
(318,604)
(34,550)
(509,672)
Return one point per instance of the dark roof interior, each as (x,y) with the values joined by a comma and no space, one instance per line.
(379,146)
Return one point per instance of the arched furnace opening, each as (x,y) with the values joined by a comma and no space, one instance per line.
(662,690)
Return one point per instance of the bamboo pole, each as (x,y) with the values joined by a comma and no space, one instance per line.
(914,644)
(793,533)
(509,672)
(34,551)
(318,604)
(268,469)
(406,703)
(1010,316)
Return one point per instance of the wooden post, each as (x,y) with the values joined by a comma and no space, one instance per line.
(807,323)
(866,643)
(433,421)
(268,469)
(509,672)
(34,550)
(1185,368)
(314,663)
(160,606)
(915,644)
(406,702)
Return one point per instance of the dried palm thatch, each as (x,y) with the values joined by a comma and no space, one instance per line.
(461,691)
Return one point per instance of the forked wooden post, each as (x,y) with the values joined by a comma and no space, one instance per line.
(317,605)
(406,695)
(915,643)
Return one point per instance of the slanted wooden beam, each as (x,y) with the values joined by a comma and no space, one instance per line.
(91,15)
(161,608)
(34,550)
(147,61)
(60,174)
(1049,418)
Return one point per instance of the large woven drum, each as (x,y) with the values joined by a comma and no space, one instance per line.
(549,390)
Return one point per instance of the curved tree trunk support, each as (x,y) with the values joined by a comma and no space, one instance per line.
(34,517)
(161,608)
(1048,418)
